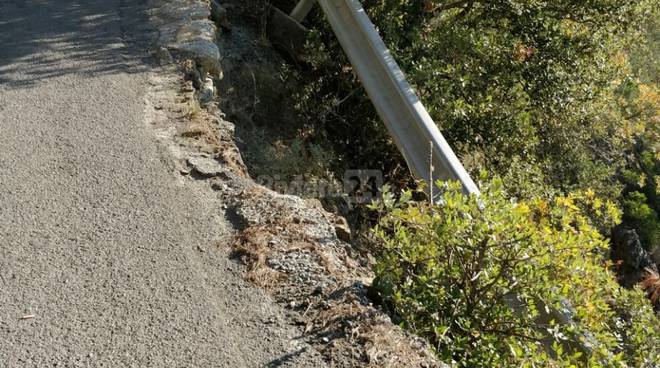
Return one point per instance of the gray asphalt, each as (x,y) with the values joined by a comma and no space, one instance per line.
(106,257)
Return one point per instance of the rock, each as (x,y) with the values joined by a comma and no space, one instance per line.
(191,75)
(207,92)
(179,11)
(342,229)
(628,247)
(196,41)
(185,29)
(170,17)
(628,250)
(196,30)
(204,52)
(163,55)
(205,166)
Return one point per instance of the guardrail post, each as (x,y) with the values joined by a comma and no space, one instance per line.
(302,9)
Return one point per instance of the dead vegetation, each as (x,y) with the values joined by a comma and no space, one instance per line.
(203,128)
(247,248)
(651,284)
(198,123)
(290,248)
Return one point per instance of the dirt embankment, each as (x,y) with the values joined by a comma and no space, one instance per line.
(291,247)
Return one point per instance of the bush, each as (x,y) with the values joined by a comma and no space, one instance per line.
(640,216)
(487,281)
(530,81)
(641,198)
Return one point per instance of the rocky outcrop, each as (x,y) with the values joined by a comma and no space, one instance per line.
(186,31)
(655,255)
(630,257)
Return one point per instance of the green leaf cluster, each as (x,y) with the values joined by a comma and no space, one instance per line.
(641,175)
(495,283)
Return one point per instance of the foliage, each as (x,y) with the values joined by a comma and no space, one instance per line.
(554,96)
(506,80)
(645,53)
(487,281)
(641,176)
(643,218)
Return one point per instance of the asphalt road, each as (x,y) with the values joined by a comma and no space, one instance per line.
(106,258)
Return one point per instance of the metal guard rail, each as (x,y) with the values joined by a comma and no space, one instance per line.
(410,125)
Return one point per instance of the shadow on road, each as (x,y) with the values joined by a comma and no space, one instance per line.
(287,358)
(42,39)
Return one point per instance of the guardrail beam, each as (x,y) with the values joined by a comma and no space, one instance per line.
(410,125)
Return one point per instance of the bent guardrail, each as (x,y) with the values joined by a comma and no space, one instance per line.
(410,125)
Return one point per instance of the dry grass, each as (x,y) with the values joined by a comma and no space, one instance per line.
(200,127)
(339,320)
(254,245)
(391,347)
(355,326)
(651,284)
(194,132)
(248,248)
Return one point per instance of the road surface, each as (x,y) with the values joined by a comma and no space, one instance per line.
(106,259)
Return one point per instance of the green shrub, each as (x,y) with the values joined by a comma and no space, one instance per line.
(478,278)
(531,81)
(641,176)
(640,216)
